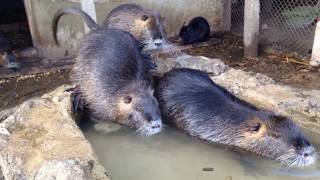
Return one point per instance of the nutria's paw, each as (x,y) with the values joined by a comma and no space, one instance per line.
(14,66)
(107,127)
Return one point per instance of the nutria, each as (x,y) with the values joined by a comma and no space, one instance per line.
(113,79)
(7,55)
(198,30)
(192,102)
(5,44)
(145,25)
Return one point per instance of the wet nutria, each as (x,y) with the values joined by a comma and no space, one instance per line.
(191,101)
(198,30)
(7,55)
(113,79)
(145,25)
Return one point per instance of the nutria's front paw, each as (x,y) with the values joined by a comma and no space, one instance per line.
(107,127)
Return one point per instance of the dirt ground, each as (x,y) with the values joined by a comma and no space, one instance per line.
(283,68)
(16,90)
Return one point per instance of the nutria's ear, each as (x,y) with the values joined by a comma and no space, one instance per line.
(127,99)
(275,135)
(144,17)
(277,118)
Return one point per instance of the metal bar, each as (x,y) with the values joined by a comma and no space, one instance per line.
(315,57)
(251,28)
(89,7)
(31,22)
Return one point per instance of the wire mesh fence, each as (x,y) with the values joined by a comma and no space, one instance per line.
(237,17)
(286,25)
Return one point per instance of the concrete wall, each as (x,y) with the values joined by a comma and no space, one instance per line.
(40,13)
(71,29)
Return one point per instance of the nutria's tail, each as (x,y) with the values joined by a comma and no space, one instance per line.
(87,19)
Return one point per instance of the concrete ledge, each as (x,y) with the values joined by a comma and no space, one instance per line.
(39,140)
(300,104)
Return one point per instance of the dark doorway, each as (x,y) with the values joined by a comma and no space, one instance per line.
(14,23)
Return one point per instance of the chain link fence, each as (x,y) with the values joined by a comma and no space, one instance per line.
(286,25)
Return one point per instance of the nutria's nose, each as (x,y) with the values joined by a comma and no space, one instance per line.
(306,154)
(308,151)
(150,118)
(156,124)
(158,43)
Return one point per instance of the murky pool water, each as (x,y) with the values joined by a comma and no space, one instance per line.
(172,155)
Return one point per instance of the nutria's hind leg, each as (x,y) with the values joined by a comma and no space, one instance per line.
(150,65)
(79,111)
(76,100)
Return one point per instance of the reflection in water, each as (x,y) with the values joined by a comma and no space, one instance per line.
(172,155)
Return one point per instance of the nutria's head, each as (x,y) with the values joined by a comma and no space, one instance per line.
(138,108)
(184,30)
(145,25)
(275,137)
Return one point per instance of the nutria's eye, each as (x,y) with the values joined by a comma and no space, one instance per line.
(275,135)
(144,17)
(256,127)
(298,145)
(127,99)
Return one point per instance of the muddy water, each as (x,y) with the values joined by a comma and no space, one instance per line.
(172,155)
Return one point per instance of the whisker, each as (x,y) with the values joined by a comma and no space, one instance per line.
(284,157)
(288,160)
(302,162)
(139,131)
(292,163)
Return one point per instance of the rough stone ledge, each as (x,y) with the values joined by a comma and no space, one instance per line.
(302,105)
(212,66)
(39,140)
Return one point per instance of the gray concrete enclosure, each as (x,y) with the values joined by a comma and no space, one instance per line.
(71,29)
